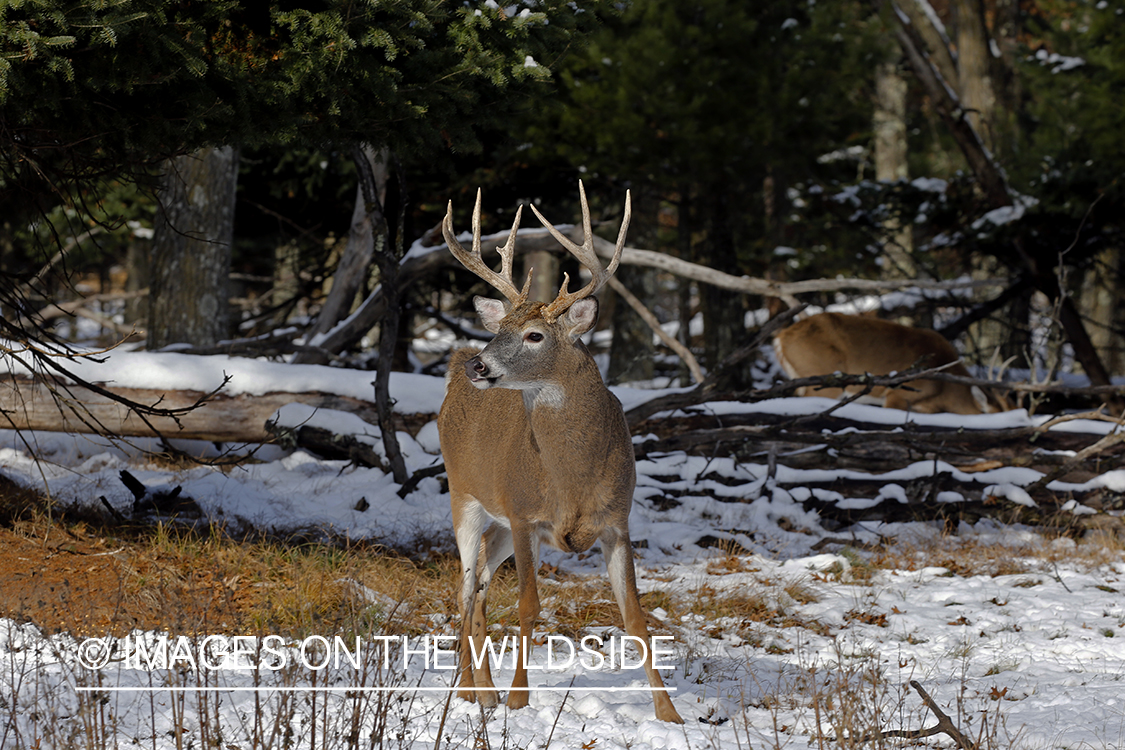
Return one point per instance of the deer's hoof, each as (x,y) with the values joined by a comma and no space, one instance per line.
(665,711)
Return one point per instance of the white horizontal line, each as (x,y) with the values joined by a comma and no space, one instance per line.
(379,689)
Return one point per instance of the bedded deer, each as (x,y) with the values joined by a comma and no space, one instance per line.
(832,342)
(537,450)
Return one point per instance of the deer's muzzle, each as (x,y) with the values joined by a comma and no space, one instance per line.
(479,373)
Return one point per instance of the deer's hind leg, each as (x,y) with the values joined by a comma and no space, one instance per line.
(618,553)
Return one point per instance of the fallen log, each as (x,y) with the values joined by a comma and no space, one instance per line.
(39,404)
(330,445)
(848,444)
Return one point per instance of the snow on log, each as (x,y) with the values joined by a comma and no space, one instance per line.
(35,404)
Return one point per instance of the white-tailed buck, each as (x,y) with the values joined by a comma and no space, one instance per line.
(537,450)
(832,342)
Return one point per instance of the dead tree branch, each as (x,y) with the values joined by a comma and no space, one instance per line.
(706,389)
(1106,443)
(416,265)
(944,726)
(681,351)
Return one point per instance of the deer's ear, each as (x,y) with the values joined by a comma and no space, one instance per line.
(491,312)
(581,317)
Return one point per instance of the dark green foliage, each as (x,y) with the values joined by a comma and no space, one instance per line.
(1074,117)
(97,88)
(95,94)
(714,109)
(713,87)
(714,96)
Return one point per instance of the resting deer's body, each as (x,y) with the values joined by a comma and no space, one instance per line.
(832,342)
(537,450)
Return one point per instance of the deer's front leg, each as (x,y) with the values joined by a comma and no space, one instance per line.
(468,523)
(495,548)
(618,553)
(526,544)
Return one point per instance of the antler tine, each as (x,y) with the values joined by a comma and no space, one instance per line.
(620,246)
(506,254)
(502,281)
(585,255)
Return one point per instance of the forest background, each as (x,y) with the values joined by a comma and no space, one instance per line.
(226,177)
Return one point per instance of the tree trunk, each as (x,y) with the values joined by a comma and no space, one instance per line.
(287,299)
(1116,273)
(975,71)
(891,164)
(979,101)
(1006,32)
(993,182)
(546,279)
(137,258)
(685,297)
(39,404)
(631,351)
(932,35)
(190,267)
(723,314)
(890,123)
(355,262)
(388,252)
(1099,303)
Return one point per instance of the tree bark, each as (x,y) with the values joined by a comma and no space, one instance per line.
(388,253)
(545,277)
(631,350)
(137,257)
(975,71)
(951,110)
(934,38)
(724,327)
(191,250)
(891,164)
(27,404)
(355,263)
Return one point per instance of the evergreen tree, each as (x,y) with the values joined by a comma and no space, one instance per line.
(106,85)
(717,107)
(92,91)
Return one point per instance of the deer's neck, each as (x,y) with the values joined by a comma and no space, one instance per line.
(577,410)
(546,397)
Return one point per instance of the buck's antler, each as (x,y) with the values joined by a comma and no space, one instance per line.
(502,281)
(585,255)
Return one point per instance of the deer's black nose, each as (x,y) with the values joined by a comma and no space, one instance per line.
(476,369)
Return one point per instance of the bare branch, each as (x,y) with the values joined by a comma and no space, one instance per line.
(1114,438)
(415,266)
(945,726)
(681,351)
(708,387)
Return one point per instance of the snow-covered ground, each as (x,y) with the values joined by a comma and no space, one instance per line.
(1037,656)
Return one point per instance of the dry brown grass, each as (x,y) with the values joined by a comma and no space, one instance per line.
(972,556)
(75,573)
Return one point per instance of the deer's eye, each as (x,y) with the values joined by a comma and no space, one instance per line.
(534,337)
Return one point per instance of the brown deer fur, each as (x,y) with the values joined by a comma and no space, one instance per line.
(537,451)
